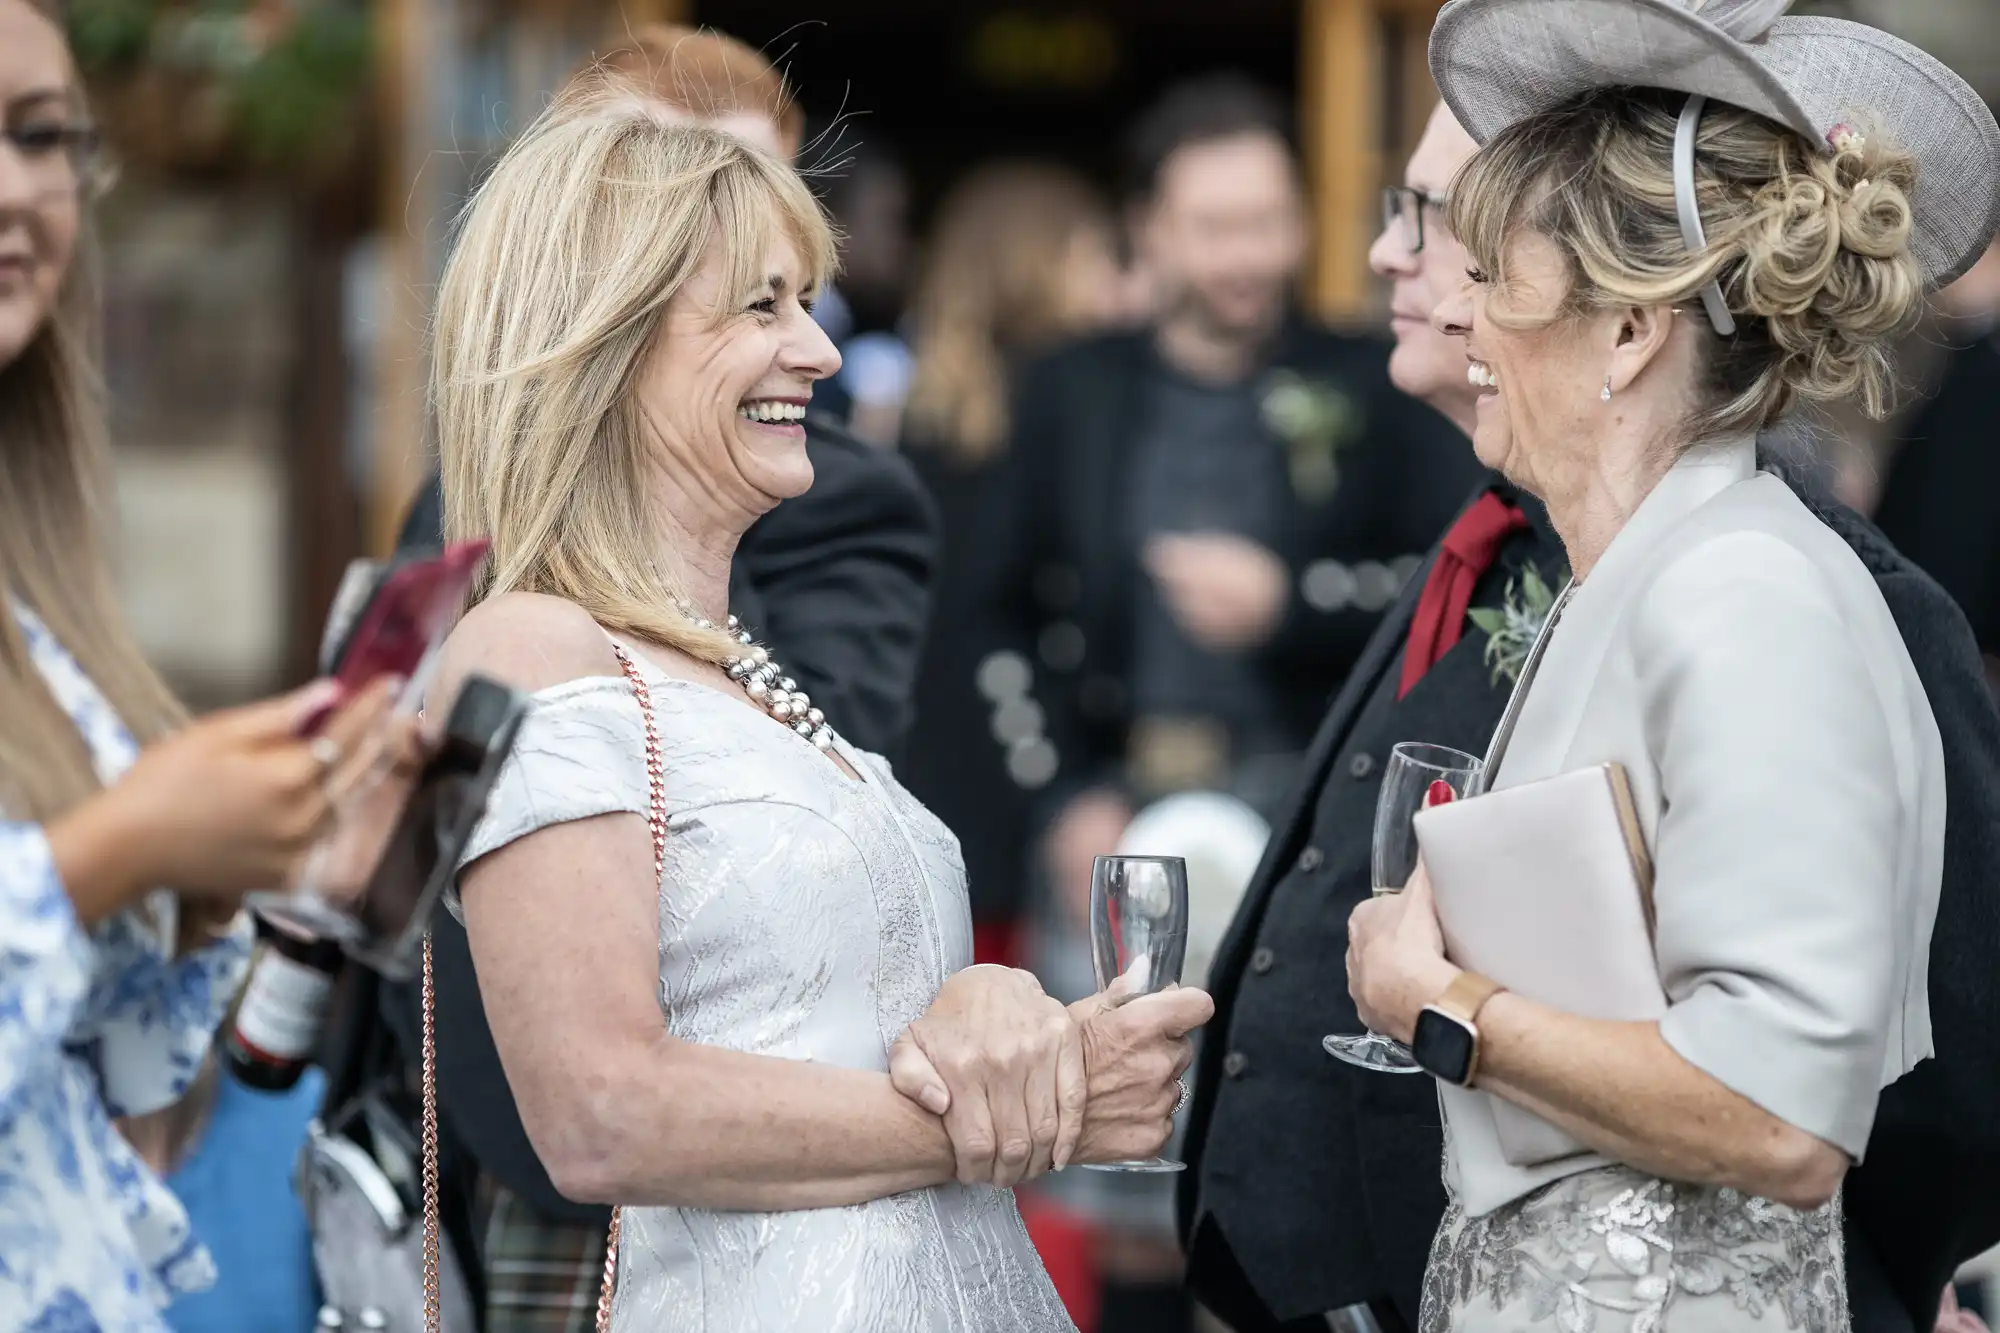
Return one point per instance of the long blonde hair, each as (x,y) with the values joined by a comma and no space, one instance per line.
(55,518)
(549,306)
(992,285)
(1812,249)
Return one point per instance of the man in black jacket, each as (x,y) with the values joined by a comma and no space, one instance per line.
(1208,516)
(1312,1187)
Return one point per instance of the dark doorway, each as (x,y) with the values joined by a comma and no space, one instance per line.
(946,85)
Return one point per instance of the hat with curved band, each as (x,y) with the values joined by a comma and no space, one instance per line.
(1500,61)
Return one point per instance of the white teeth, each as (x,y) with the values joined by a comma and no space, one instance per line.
(1481,376)
(770,410)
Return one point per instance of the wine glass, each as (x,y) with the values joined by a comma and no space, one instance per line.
(1138,932)
(1418,776)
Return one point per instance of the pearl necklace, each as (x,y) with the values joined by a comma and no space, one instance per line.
(768,686)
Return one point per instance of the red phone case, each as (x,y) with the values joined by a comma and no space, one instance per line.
(408,616)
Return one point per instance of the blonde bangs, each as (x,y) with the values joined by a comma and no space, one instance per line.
(1506,188)
(754,211)
(1488,196)
(566,260)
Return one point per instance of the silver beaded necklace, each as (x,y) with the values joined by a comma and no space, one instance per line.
(768,686)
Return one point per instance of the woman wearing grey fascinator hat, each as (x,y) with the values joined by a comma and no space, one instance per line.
(1686,218)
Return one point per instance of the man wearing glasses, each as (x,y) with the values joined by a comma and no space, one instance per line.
(1312,1186)
(1312,1192)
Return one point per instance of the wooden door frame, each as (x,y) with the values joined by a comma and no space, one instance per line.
(1345,121)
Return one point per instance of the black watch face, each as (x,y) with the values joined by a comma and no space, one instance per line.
(1444,1046)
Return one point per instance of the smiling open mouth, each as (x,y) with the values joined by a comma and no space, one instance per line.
(772,411)
(1482,376)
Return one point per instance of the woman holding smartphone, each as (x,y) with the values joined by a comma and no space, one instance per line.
(111,985)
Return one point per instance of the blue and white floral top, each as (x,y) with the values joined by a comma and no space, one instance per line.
(93,1025)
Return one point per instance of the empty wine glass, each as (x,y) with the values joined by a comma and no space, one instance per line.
(1138,932)
(1417,776)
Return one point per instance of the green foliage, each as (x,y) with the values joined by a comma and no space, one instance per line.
(299,96)
(110,34)
(1512,626)
(289,95)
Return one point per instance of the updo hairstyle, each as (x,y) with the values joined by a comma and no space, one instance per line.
(1811,244)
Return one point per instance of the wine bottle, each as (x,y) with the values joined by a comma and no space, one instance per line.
(283,1011)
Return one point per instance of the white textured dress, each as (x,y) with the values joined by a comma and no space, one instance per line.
(803,915)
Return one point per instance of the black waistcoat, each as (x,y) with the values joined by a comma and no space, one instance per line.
(1352,1213)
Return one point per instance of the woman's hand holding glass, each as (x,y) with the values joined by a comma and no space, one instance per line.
(1395,958)
(1137,1050)
(1026,1086)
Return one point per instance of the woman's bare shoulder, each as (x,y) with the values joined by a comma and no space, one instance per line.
(528,640)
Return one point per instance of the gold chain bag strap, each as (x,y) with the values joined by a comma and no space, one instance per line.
(656,822)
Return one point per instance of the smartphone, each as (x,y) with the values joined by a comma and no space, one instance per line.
(403,621)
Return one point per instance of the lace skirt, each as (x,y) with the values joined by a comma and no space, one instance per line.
(1617,1251)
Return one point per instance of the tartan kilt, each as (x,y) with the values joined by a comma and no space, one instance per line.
(542,1275)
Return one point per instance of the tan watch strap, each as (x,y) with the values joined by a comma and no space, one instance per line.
(1466,996)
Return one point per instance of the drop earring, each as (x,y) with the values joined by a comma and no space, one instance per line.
(1606,395)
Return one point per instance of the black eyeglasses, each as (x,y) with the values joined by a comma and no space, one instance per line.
(1404,206)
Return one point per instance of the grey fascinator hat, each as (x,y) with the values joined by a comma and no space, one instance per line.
(1500,61)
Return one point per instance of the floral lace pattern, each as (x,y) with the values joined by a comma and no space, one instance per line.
(92,1026)
(1616,1251)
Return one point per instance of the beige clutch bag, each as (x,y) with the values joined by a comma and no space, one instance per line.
(1547,888)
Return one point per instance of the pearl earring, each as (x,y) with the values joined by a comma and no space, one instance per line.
(1606,395)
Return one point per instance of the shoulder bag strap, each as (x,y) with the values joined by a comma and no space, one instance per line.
(656,822)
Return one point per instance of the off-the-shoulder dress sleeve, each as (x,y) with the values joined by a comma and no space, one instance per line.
(45,964)
(581,752)
(1781,923)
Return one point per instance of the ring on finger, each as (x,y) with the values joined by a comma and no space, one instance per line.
(1181,1095)
(325,751)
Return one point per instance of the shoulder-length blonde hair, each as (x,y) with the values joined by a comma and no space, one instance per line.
(993,286)
(55,519)
(550,304)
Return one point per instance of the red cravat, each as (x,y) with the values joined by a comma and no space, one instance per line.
(1468,551)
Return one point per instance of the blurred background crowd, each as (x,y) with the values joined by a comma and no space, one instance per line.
(1009,178)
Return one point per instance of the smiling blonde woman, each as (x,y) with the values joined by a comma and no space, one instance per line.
(695,986)
(1682,224)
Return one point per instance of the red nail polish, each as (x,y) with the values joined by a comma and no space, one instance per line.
(1440,793)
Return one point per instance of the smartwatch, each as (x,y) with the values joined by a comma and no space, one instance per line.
(1446,1042)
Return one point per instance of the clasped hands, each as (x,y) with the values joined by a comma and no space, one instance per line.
(1026,1085)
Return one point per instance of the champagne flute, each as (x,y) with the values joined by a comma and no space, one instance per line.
(1418,776)
(1138,932)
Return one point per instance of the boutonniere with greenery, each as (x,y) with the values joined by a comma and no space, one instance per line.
(1513,626)
(1316,420)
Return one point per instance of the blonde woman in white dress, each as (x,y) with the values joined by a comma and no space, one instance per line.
(624,350)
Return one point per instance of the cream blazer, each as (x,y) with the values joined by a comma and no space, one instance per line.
(1736,656)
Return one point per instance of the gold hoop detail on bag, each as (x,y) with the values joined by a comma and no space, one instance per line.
(656,824)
